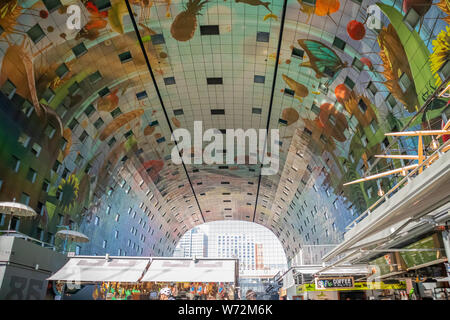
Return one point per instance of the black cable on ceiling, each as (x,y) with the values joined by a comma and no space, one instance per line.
(147,61)
(280,40)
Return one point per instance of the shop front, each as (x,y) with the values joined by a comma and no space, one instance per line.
(139,278)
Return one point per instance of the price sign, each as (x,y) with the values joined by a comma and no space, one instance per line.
(330,283)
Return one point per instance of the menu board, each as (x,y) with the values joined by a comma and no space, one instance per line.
(416,258)
(330,283)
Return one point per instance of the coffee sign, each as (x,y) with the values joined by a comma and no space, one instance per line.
(330,283)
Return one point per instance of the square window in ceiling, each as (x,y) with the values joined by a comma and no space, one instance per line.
(116,112)
(217,111)
(178,112)
(98,123)
(102,5)
(104,92)
(282,121)
(74,88)
(36,33)
(307,131)
(125,57)
(214,80)
(259,79)
(209,30)
(62,70)
(83,136)
(161,140)
(339,43)
(89,110)
(94,77)
(153,123)
(411,19)
(141,95)
(289,92)
(404,82)
(357,64)
(262,36)
(158,39)
(79,50)
(297,53)
(48,95)
(169,81)
(349,82)
(256,110)
(52,5)
(128,134)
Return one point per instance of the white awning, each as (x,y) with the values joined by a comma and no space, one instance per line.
(86,269)
(191,271)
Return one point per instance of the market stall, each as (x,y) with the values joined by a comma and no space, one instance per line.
(142,278)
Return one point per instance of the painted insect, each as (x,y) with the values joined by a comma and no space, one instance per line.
(185,23)
(322,59)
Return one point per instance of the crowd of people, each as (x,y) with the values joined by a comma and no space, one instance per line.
(164,291)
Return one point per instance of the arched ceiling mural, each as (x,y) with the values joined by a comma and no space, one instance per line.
(87,114)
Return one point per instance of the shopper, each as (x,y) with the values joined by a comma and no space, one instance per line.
(166,294)
(250,295)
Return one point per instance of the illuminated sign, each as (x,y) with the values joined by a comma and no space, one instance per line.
(330,283)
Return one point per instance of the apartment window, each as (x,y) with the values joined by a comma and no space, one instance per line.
(116,234)
(362,106)
(339,43)
(334,226)
(297,53)
(262,36)
(74,88)
(98,123)
(62,70)
(95,77)
(411,18)
(79,50)
(73,124)
(335,204)
(169,81)
(15,164)
(404,82)
(2,218)
(391,101)
(364,140)
(24,198)
(77,250)
(105,91)
(104,244)
(111,142)
(373,126)
(31,175)
(36,33)
(372,88)
(117,217)
(158,39)
(357,64)
(116,112)
(349,82)
(52,5)
(96,220)
(259,79)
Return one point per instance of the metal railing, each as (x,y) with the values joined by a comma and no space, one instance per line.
(433,157)
(13,233)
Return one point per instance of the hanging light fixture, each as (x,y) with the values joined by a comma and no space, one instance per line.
(434,144)
(380,190)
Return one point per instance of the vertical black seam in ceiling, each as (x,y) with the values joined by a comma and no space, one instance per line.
(280,40)
(147,61)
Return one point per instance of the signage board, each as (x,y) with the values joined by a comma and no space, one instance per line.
(330,283)
(417,258)
(401,285)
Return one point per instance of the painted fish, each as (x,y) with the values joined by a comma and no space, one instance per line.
(255,3)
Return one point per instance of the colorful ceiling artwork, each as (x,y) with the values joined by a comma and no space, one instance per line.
(87,114)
